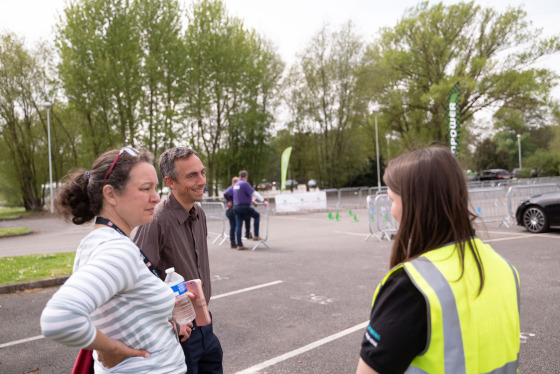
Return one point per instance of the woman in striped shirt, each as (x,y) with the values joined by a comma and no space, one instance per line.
(113,304)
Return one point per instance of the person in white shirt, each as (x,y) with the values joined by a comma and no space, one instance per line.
(114,303)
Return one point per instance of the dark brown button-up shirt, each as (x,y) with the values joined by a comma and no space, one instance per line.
(177,238)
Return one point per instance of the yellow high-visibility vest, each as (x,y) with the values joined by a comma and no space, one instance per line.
(467,333)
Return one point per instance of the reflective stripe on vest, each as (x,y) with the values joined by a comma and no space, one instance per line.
(516,285)
(452,338)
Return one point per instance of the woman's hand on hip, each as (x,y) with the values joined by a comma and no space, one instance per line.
(117,353)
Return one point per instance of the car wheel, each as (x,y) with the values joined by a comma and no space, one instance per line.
(535,220)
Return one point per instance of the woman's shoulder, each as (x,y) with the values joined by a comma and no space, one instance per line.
(399,286)
(106,241)
(107,235)
(398,278)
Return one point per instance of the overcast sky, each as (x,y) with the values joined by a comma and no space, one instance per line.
(289,24)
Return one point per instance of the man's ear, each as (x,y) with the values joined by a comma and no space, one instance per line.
(169,182)
(109,194)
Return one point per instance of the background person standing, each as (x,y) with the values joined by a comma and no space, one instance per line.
(177,238)
(228,195)
(243,195)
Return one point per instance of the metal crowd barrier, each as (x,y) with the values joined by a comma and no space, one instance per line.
(264,210)
(333,198)
(262,228)
(539,180)
(215,218)
(352,197)
(489,183)
(513,182)
(377,191)
(516,194)
(490,204)
(499,204)
(381,222)
(495,204)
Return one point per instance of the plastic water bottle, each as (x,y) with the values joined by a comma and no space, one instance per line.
(184,310)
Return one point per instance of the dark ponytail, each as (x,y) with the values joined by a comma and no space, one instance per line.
(73,201)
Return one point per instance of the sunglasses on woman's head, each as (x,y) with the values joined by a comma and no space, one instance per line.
(131,151)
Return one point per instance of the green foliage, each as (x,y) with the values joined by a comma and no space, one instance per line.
(98,43)
(14,231)
(163,73)
(12,213)
(35,267)
(554,146)
(138,72)
(537,141)
(488,156)
(524,173)
(414,65)
(23,132)
(232,79)
(547,162)
(327,108)
(131,76)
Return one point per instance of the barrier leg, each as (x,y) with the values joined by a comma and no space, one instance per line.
(259,243)
(262,239)
(224,239)
(505,221)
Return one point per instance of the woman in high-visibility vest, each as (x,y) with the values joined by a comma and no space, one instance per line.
(450,303)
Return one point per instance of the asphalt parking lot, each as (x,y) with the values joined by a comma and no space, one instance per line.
(300,306)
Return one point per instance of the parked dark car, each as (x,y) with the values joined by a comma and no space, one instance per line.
(493,174)
(264,185)
(540,212)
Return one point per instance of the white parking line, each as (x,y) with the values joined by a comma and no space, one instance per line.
(15,342)
(246,289)
(21,341)
(503,232)
(510,238)
(350,233)
(524,235)
(532,236)
(291,218)
(285,356)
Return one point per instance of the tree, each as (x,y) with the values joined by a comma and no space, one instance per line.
(231,82)
(24,86)
(325,101)
(413,66)
(554,146)
(123,67)
(488,156)
(163,70)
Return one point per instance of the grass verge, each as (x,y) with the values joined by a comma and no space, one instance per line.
(14,231)
(29,268)
(12,213)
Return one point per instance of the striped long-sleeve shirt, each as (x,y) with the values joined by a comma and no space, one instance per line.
(112,289)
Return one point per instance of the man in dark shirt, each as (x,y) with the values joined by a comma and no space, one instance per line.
(228,195)
(177,238)
(242,199)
